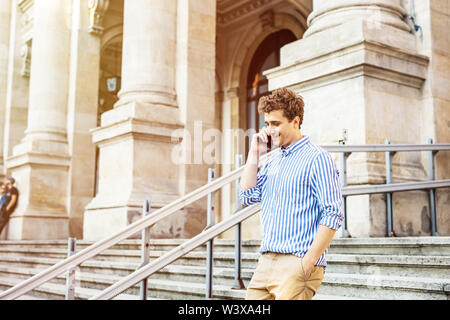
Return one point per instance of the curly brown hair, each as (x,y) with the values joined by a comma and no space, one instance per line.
(283,99)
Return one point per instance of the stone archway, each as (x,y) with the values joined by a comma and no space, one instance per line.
(247,47)
(268,24)
(235,84)
(256,35)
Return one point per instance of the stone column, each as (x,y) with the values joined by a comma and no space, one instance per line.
(40,162)
(82,106)
(195,83)
(18,73)
(148,73)
(135,138)
(5,14)
(358,68)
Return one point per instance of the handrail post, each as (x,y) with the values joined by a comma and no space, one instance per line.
(238,283)
(390,223)
(210,221)
(343,177)
(432,192)
(145,250)
(70,275)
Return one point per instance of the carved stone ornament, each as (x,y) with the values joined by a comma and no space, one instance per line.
(25,54)
(225,16)
(97,9)
(267,19)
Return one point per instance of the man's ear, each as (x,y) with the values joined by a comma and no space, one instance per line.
(296,123)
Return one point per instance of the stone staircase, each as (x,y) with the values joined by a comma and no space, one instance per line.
(360,268)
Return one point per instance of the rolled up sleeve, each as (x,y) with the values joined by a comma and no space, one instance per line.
(327,189)
(253,195)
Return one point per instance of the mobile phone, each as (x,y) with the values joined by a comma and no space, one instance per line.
(269,143)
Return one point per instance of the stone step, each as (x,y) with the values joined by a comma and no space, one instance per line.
(52,291)
(423,266)
(434,246)
(174,277)
(391,268)
(392,246)
(157,289)
(385,287)
(221,258)
(400,265)
(179,290)
(362,287)
(129,244)
(61,253)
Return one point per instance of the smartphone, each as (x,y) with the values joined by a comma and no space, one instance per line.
(269,143)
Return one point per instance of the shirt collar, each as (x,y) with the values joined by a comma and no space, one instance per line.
(297,145)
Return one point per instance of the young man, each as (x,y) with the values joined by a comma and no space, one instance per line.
(3,202)
(11,204)
(300,196)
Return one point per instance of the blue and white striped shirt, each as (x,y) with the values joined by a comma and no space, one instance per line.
(299,189)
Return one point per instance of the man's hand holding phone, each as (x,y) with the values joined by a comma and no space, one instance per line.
(261,141)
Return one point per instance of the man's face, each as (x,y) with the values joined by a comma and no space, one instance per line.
(8,184)
(282,131)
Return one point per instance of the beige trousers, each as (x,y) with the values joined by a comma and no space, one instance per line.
(280,276)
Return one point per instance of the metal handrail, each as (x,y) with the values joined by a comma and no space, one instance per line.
(176,253)
(395,187)
(91,251)
(386,147)
(75,260)
(236,218)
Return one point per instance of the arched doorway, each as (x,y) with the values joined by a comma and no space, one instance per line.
(266,56)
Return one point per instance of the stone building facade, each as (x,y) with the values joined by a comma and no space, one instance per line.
(105,104)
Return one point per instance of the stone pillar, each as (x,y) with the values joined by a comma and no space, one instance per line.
(135,137)
(195,83)
(358,68)
(82,106)
(5,14)
(18,74)
(40,162)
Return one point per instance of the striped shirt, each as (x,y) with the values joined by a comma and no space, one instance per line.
(299,189)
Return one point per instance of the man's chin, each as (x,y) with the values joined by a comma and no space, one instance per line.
(275,142)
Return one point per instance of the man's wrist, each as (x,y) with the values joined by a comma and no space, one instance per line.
(253,151)
(309,259)
(253,157)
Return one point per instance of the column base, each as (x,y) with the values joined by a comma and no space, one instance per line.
(137,163)
(41,179)
(367,215)
(38,227)
(105,221)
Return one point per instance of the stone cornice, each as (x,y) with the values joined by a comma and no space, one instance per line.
(236,12)
(362,59)
(38,159)
(137,129)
